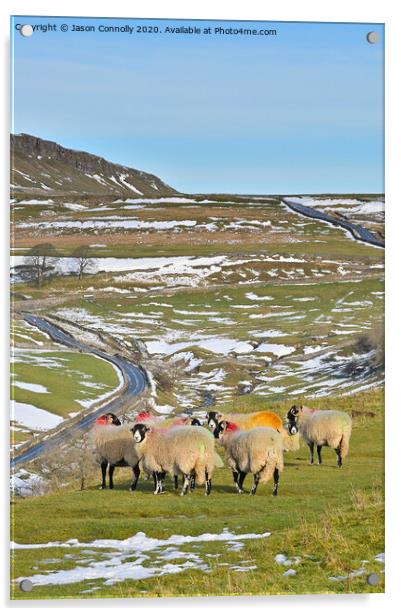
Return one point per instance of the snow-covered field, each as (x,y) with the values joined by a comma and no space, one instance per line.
(32,417)
(159,272)
(53,379)
(352,207)
(278,323)
(278,344)
(109,561)
(105,562)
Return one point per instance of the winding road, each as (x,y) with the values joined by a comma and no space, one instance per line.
(135,376)
(359,233)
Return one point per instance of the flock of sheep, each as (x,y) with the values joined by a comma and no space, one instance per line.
(253,443)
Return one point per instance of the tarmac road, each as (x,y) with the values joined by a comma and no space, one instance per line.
(359,233)
(135,376)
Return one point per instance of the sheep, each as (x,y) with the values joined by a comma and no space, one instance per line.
(258,451)
(166,423)
(330,428)
(163,422)
(247,421)
(108,419)
(112,446)
(181,449)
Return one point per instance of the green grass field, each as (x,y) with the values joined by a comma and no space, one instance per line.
(332,519)
(69,378)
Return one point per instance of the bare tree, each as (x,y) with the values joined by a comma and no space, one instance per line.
(39,263)
(83,259)
(72,464)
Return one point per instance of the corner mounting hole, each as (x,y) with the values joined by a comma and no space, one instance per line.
(26,30)
(373,37)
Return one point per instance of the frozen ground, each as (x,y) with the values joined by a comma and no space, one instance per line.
(285,344)
(109,561)
(277,319)
(47,385)
(32,417)
(351,208)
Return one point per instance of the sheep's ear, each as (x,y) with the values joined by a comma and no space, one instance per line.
(219,416)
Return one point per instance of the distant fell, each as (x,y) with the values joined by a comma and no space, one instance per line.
(41,167)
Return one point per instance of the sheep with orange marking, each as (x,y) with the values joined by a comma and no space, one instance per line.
(260,419)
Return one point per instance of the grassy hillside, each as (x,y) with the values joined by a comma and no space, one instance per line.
(331,519)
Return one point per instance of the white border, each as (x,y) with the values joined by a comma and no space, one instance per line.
(286,10)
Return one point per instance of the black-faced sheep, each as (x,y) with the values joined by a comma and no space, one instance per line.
(112,446)
(322,428)
(166,423)
(259,419)
(182,449)
(258,451)
(109,419)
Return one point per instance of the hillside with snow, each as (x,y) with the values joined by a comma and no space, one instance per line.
(40,167)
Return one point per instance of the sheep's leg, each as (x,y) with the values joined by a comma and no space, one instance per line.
(311,448)
(339,457)
(159,477)
(103,466)
(162,478)
(276,477)
(208,483)
(175,482)
(319,455)
(111,473)
(240,482)
(155,483)
(192,483)
(256,478)
(235,476)
(136,472)
(186,484)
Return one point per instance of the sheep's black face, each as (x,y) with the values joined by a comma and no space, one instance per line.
(292,420)
(139,432)
(293,412)
(219,429)
(292,427)
(113,419)
(212,420)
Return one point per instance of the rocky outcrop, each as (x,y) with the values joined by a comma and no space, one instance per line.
(44,167)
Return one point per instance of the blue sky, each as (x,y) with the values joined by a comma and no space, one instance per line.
(300,112)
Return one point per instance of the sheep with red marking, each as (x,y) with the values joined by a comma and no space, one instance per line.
(112,446)
(259,419)
(165,422)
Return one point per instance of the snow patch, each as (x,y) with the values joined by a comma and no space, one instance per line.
(135,558)
(40,389)
(33,417)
